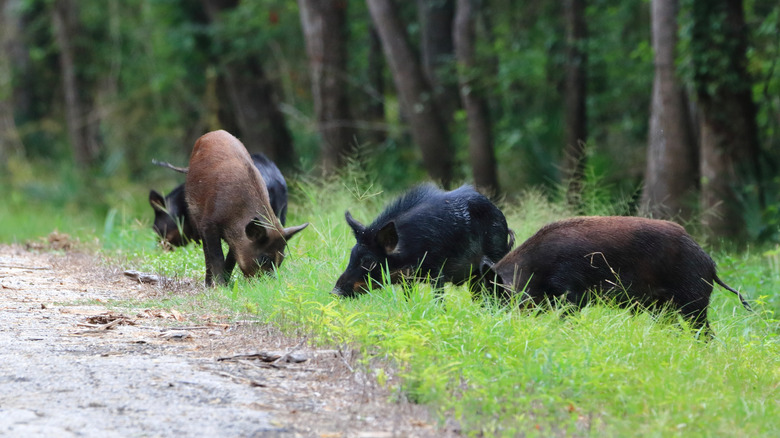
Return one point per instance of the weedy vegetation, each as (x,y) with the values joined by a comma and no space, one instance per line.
(497,370)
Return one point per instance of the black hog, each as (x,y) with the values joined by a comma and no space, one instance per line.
(426,233)
(652,263)
(172,220)
(228,200)
(275,184)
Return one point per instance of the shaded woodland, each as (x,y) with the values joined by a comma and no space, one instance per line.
(674,104)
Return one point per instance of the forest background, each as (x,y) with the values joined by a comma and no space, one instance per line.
(671,106)
(659,108)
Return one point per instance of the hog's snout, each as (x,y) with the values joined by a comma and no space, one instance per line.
(348,289)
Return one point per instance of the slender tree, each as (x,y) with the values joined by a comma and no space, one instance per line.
(729,141)
(65,21)
(481,155)
(438,52)
(324,28)
(575,116)
(253,99)
(426,124)
(10,142)
(672,162)
(375,107)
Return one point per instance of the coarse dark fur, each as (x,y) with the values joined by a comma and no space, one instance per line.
(228,200)
(426,233)
(632,260)
(171,217)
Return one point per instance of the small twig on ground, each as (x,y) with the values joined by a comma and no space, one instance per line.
(247,321)
(286,356)
(142,277)
(262,355)
(266,365)
(195,327)
(178,335)
(115,323)
(344,359)
(109,325)
(266,356)
(240,379)
(190,327)
(29,268)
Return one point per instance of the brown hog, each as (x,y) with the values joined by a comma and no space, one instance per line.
(628,259)
(228,200)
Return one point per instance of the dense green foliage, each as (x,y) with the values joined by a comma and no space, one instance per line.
(498,371)
(149,69)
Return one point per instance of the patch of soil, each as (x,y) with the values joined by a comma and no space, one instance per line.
(69,366)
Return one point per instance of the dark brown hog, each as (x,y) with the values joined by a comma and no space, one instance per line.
(228,200)
(628,259)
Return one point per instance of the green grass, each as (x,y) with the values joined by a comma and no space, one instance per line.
(501,371)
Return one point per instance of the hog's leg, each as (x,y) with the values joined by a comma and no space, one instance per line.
(577,297)
(696,314)
(230,263)
(215,260)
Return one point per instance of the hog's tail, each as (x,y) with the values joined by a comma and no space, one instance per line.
(511,238)
(171,166)
(728,288)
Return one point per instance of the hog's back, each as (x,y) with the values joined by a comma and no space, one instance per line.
(452,231)
(650,257)
(223,185)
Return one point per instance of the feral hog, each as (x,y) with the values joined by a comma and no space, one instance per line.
(426,233)
(228,200)
(629,259)
(172,220)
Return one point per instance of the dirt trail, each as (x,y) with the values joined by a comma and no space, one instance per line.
(69,368)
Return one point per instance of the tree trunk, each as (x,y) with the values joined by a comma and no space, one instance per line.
(260,121)
(324,28)
(672,163)
(10,142)
(729,142)
(438,52)
(575,117)
(483,161)
(427,127)
(254,100)
(375,108)
(65,24)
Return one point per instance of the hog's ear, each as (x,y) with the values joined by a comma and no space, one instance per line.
(156,200)
(356,226)
(486,266)
(289,232)
(487,271)
(387,237)
(255,230)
